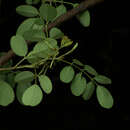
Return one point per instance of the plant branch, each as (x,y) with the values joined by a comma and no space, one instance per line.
(81,7)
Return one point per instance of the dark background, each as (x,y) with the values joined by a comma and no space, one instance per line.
(109,29)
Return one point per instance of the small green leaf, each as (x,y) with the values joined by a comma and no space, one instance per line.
(32,58)
(90,70)
(84,18)
(67,74)
(56,33)
(88,92)
(24,76)
(34,35)
(61,9)
(78,85)
(104,97)
(27,10)
(45,48)
(19,45)
(32,96)
(25,26)
(77,62)
(47,12)
(45,83)
(102,79)
(6,94)
(20,89)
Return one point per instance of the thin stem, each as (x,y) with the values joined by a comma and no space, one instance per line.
(19,62)
(67,53)
(43,68)
(46,70)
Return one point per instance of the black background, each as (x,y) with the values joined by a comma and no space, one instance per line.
(109,29)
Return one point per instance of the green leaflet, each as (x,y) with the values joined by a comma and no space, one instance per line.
(45,83)
(19,45)
(104,97)
(61,9)
(67,74)
(27,10)
(20,89)
(32,96)
(90,70)
(6,94)
(102,79)
(25,26)
(34,35)
(78,85)
(31,58)
(56,33)
(47,12)
(45,48)
(24,76)
(84,18)
(89,90)
(77,62)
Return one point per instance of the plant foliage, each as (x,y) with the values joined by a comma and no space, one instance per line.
(32,82)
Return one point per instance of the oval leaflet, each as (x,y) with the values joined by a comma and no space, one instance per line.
(45,83)
(19,45)
(6,94)
(67,74)
(104,97)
